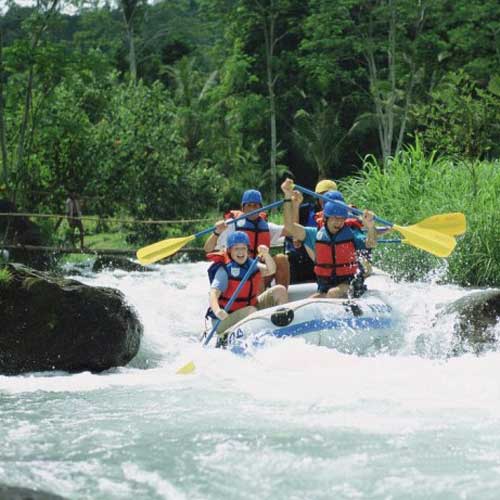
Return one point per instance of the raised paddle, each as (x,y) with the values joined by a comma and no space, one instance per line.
(430,240)
(165,248)
(190,367)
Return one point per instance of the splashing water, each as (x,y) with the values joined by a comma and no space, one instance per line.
(292,421)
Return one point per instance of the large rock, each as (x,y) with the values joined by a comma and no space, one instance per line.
(15,493)
(477,317)
(50,323)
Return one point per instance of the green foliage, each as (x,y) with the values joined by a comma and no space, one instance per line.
(460,118)
(5,276)
(192,132)
(415,186)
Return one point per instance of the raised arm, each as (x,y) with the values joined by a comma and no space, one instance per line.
(369,224)
(269,264)
(211,242)
(294,229)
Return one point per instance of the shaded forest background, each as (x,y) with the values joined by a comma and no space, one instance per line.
(167,109)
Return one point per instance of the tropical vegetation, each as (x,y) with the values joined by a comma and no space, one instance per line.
(169,109)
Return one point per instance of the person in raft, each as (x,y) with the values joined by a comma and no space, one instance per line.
(259,232)
(334,245)
(307,215)
(228,269)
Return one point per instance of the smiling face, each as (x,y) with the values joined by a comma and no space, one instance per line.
(239,253)
(335,224)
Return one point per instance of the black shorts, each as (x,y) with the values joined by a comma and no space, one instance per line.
(301,268)
(325,284)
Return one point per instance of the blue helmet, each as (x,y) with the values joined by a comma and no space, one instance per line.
(251,196)
(334,196)
(237,237)
(335,210)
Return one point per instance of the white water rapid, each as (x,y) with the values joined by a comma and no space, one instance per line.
(293,421)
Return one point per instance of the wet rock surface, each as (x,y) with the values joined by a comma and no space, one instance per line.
(53,323)
(15,493)
(477,316)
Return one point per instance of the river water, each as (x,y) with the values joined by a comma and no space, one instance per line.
(293,421)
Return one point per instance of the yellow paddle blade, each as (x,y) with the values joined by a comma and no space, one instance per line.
(187,369)
(161,249)
(434,242)
(452,224)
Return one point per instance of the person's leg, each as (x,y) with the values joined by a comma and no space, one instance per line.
(81,232)
(282,275)
(339,292)
(273,296)
(72,228)
(234,318)
(280,294)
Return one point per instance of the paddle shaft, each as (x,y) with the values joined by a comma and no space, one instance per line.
(244,216)
(351,209)
(232,299)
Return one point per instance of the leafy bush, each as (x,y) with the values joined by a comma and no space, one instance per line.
(461,119)
(415,186)
(5,276)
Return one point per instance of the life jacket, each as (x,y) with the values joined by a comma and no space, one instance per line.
(235,273)
(256,230)
(349,222)
(335,254)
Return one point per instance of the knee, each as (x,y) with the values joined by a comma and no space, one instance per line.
(281,258)
(280,294)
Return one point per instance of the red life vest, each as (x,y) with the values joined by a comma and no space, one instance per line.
(235,273)
(350,222)
(335,254)
(256,230)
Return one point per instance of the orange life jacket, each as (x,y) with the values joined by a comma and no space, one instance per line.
(235,273)
(335,254)
(256,230)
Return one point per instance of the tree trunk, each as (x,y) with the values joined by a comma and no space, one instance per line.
(129,8)
(3,141)
(269,39)
(131,55)
(385,105)
(20,163)
(269,24)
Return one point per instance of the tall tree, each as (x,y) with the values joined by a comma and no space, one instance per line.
(391,99)
(131,10)
(37,25)
(3,141)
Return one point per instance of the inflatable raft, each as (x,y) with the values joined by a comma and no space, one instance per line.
(348,325)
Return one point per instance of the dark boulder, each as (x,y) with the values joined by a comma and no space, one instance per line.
(51,323)
(477,316)
(15,493)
